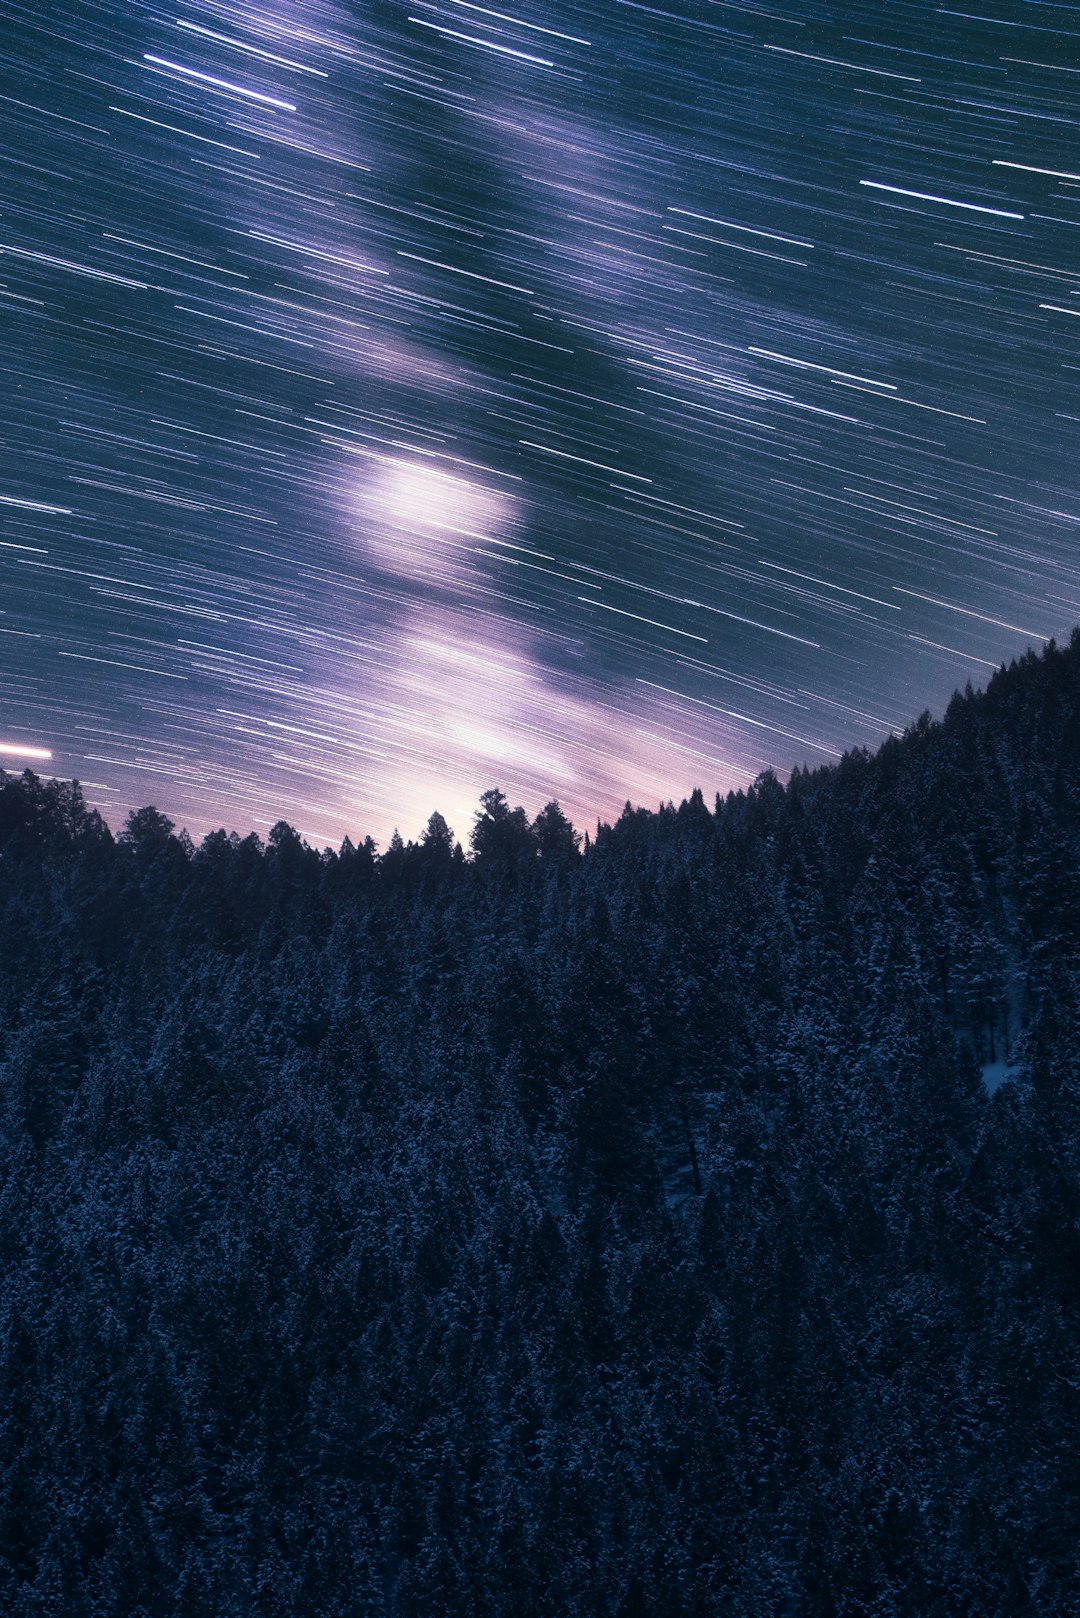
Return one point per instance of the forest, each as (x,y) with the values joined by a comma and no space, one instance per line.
(682,1220)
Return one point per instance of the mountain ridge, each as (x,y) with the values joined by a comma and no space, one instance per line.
(981,699)
(687,1225)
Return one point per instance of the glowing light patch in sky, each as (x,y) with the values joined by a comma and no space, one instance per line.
(17,750)
(420,521)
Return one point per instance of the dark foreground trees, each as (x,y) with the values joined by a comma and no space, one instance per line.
(538,1233)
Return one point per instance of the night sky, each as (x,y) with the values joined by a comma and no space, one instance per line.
(594,400)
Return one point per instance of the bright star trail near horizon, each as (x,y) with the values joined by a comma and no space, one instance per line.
(592,400)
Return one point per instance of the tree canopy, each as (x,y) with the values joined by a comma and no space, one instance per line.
(689,1223)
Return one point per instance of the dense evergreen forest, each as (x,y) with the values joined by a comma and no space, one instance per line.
(682,1224)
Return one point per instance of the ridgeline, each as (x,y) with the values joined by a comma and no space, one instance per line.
(686,1224)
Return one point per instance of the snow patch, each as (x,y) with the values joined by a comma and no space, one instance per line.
(995,1074)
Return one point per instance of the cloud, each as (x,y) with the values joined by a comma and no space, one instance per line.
(423,523)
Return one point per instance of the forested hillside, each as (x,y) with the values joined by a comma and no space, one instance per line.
(684,1224)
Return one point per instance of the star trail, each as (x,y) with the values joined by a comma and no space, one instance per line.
(592,400)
